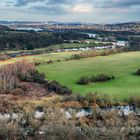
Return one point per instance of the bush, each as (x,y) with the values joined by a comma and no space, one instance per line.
(137,72)
(101,78)
(58,88)
(95,53)
(4,57)
(37,63)
(84,80)
(49,62)
(34,76)
(64,91)
(38,77)
(68,98)
(75,56)
(11,74)
(67,59)
(90,97)
(58,60)
(79,98)
(92,79)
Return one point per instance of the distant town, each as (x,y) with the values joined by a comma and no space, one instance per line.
(54,25)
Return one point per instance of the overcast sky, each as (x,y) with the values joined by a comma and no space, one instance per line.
(92,11)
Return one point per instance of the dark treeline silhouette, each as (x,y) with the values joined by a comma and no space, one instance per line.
(30,40)
(4,28)
(134,44)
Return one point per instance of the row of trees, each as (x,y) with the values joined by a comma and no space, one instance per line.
(95,53)
(134,44)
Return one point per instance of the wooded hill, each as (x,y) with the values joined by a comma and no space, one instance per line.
(4,28)
(14,40)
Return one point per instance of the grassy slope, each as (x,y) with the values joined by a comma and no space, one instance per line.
(42,57)
(121,65)
(71,45)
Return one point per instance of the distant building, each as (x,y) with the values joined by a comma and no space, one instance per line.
(121,43)
(29,29)
(103,47)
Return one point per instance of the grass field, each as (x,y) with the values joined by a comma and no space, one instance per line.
(42,57)
(72,45)
(121,65)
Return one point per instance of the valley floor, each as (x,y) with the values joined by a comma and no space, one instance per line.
(122,66)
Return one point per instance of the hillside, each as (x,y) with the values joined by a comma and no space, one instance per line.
(4,28)
(122,66)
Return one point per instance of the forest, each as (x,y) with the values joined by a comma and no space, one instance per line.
(14,40)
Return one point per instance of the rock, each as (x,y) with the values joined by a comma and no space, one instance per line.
(122,130)
(82,113)
(68,115)
(39,115)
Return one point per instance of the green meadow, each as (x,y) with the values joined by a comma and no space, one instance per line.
(122,66)
(43,57)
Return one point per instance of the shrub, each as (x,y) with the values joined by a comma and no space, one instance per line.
(90,97)
(8,82)
(67,59)
(137,72)
(101,78)
(58,88)
(37,63)
(92,79)
(95,53)
(12,73)
(75,56)
(105,53)
(49,62)
(134,101)
(79,98)
(68,98)
(38,77)
(64,90)
(112,77)
(17,91)
(58,60)
(34,76)
(4,57)
(84,80)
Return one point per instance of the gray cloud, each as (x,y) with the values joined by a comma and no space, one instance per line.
(25,2)
(52,10)
(116,3)
(101,10)
(48,2)
(51,2)
(95,3)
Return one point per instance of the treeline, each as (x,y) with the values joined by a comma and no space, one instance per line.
(134,44)
(95,53)
(13,40)
(4,28)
